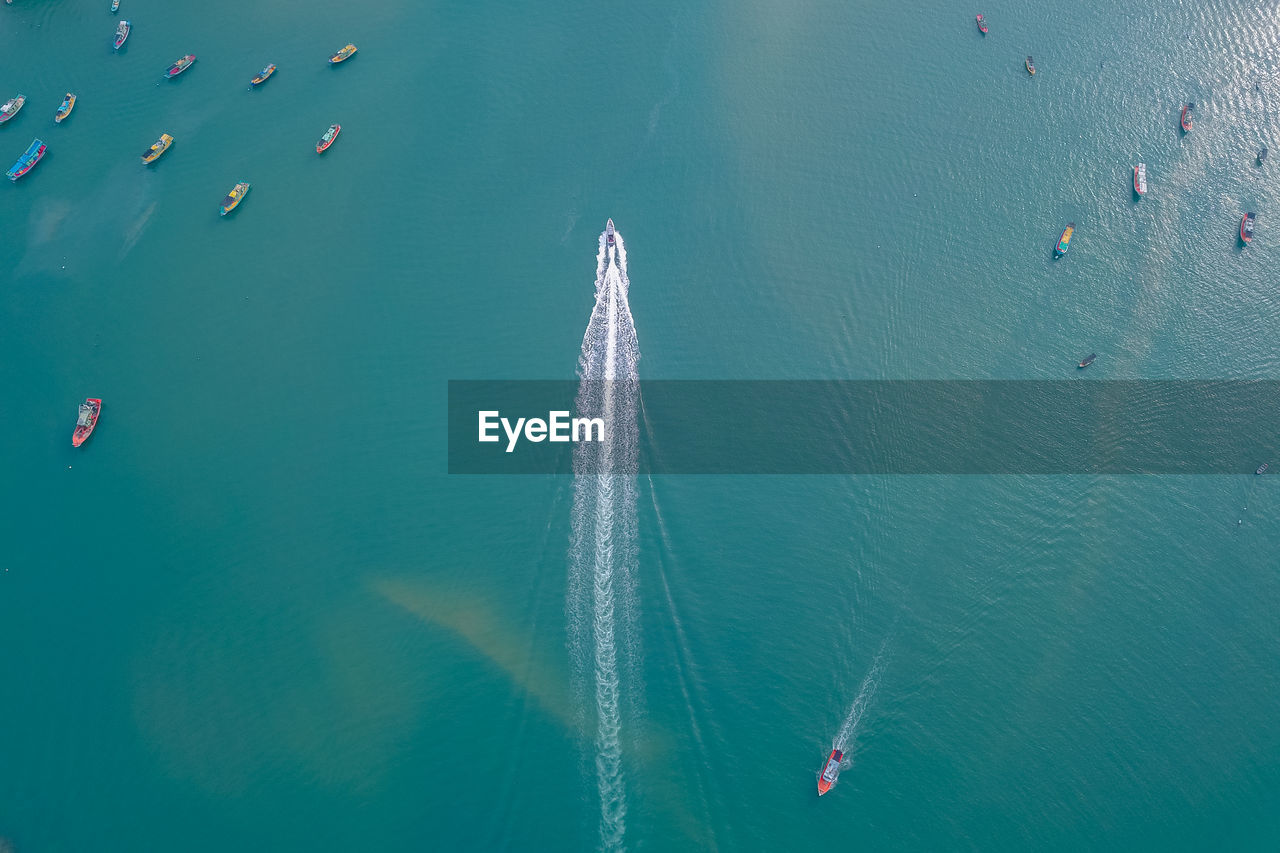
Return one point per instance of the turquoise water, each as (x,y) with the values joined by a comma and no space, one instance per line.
(254,611)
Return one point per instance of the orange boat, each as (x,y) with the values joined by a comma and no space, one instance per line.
(343,55)
(1246,228)
(830,772)
(88,419)
(1186,118)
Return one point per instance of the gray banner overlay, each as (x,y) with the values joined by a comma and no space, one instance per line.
(1079,426)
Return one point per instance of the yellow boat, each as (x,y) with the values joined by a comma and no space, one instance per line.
(343,55)
(162,145)
(233,199)
(68,104)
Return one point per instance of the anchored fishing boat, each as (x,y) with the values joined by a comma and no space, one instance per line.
(11,108)
(68,104)
(233,199)
(830,772)
(1246,228)
(1031,67)
(181,65)
(86,420)
(1186,118)
(1140,179)
(160,146)
(263,75)
(1064,242)
(343,55)
(122,33)
(327,140)
(982,25)
(28,160)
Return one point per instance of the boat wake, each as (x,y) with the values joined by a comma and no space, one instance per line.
(603,636)
(849,729)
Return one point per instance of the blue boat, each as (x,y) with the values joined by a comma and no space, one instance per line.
(27,160)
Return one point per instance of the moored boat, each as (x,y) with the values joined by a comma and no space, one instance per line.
(1186,118)
(1262,469)
(1064,242)
(34,154)
(1087,360)
(329,136)
(122,33)
(1140,179)
(1246,228)
(1031,67)
(263,75)
(233,199)
(982,25)
(160,146)
(11,108)
(86,420)
(830,772)
(343,55)
(68,104)
(181,65)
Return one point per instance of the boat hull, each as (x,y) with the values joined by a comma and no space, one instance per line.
(33,155)
(234,198)
(1064,242)
(982,24)
(343,55)
(830,772)
(16,105)
(1246,228)
(328,139)
(82,433)
(161,145)
(68,104)
(1031,67)
(180,66)
(1140,179)
(122,33)
(263,76)
(1186,121)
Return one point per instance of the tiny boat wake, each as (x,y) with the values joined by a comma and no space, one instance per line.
(603,636)
(849,729)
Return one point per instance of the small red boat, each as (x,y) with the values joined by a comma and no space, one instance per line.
(88,419)
(1246,228)
(327,140)
(1186,117)
(982,24)
(830,772)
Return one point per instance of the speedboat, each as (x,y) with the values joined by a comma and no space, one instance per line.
(233,199)
(122,33)
(608,233)
(327,140)
(830,772)
(1246,228)
(982,24)
(263,75)
(68,104)
(28,160)
(1087,360)
(1140,179)
(11,108)
(181,65)
(1031,67)
(343,55)
(161,145)
(86,420)
(1186,117)
(1064,242)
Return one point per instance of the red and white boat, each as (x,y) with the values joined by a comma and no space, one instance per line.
(1140,179)
(830,772)
(982,24)
(88,419)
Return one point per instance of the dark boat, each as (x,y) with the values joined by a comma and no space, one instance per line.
(86,420)
(1246,228)
(1262,155)
(830,771)
(608,233)
(1186,118)
(181,65)
(1088,359)
(982,24)
(1262,469)
(1031,67)
(122,33)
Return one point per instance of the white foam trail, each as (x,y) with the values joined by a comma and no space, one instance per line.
(602,550)
(849,729)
